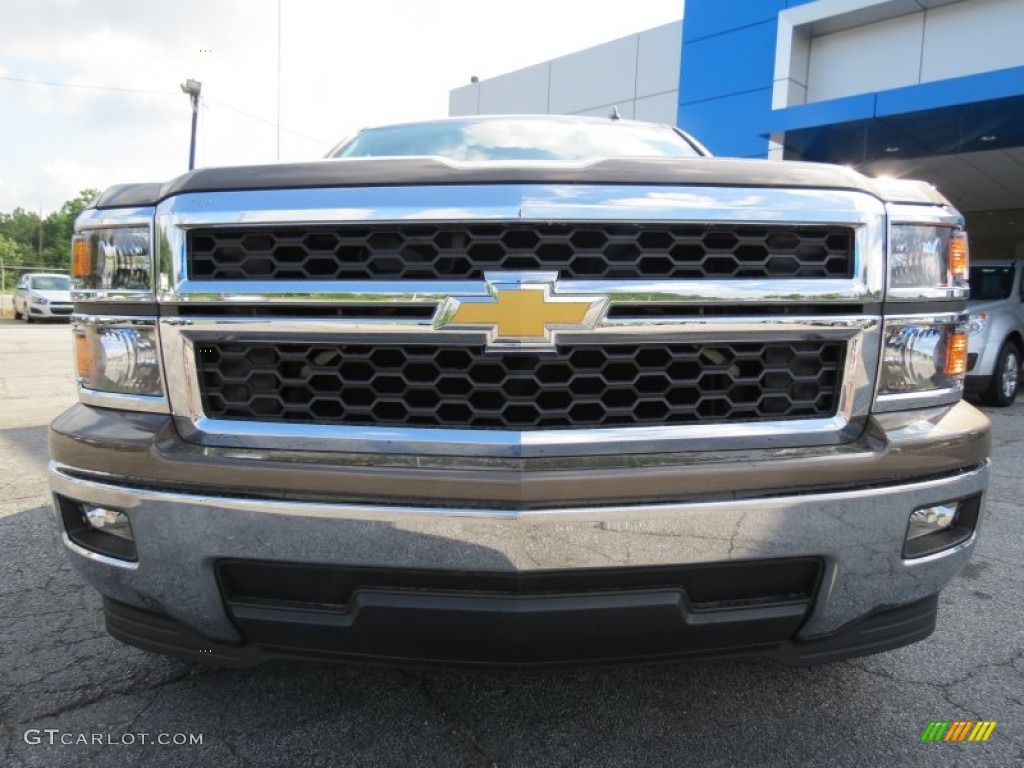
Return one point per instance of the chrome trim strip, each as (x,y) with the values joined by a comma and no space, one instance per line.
(522,202)
(862,335)
(93,218)
(928,294)
(86,319)
(905,401)
(944,215)
(96,557)
(618,291)
(123,402)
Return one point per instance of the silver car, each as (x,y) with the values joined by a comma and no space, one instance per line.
(996,342)
(42,296)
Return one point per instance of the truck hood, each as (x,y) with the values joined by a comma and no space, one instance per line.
(421,171)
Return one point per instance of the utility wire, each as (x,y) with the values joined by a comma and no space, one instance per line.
(168,93)
(270,122)
(82,85)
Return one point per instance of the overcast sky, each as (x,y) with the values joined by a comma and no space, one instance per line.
(344,65)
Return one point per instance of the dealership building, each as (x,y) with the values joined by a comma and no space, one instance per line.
(930,89)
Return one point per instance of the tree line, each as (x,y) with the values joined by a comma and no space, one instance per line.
(27,240)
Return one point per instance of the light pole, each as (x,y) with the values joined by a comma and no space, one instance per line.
(193,88)
(278,122)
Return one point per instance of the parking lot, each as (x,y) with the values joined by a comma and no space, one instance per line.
(59,669)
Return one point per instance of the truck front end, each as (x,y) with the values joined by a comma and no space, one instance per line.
(443,413)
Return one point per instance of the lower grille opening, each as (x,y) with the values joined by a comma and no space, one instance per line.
(548,617)
(707,587)
(573,386)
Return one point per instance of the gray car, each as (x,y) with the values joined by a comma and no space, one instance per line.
(996,342)
(42,296)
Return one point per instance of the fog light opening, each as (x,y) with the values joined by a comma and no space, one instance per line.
(937,527)
(103,530)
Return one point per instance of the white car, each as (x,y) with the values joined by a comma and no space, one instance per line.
(39,296)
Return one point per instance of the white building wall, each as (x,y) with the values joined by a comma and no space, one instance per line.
(639,74)
(848,62)
(937,43)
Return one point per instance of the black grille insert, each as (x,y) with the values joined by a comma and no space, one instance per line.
(576,251)
(575,386)
(707,587)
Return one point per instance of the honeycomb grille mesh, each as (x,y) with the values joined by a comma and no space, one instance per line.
(576,386)
(575,251)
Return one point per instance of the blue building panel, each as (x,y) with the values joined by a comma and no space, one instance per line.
(843,110)
(986,86)
(704,19)
(725,97)
(722,124)
(739,61)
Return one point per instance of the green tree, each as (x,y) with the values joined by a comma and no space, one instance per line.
(12,253)
(42,243)
(22,228)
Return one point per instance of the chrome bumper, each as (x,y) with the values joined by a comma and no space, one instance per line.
(857,533)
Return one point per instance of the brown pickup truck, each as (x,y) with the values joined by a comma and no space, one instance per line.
(520,391)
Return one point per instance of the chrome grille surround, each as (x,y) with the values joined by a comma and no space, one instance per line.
(858,333)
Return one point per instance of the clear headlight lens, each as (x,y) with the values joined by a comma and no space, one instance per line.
(925,256)
(120,359)
(114,259)
(40,300)
(976,322)
(918,357)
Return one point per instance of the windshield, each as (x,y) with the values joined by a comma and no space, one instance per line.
(519,139)
(991,283)
(51,283)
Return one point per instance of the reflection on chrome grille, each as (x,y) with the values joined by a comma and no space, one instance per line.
(575,251)
(576,386)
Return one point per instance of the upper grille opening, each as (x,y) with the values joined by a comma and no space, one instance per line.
(575,386)
(619,251)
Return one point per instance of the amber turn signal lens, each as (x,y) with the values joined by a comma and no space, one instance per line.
(956,353)
(85,359)
(958,258)
(81,252)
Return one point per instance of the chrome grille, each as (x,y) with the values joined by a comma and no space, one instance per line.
(574,386)
(621,251)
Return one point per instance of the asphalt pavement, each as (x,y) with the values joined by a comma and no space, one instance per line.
(71,695)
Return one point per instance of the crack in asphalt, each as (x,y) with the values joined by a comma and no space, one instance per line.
(130,691)
(945,689)
(7,737)
(461,731)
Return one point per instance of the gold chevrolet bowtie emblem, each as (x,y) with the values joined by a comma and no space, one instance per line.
(521,312)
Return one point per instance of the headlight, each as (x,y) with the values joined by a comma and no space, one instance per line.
(976,322)
(118,358)
(927,257)
(116,259)
(923,355)
(40,300)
